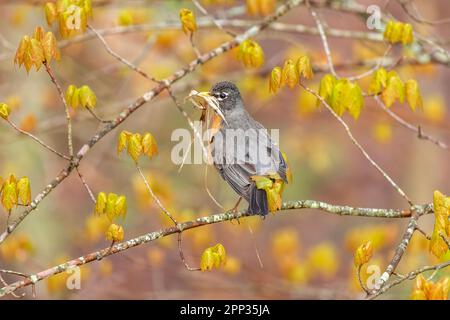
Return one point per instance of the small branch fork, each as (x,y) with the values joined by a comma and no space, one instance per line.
(289,206)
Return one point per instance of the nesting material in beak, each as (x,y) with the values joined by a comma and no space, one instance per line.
(204,99)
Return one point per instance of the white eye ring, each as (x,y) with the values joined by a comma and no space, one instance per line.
(221,96)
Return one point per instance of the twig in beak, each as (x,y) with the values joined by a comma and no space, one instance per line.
(202,100)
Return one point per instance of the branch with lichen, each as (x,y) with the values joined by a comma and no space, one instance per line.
(289,206)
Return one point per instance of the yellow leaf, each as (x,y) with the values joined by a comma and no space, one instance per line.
(407,34)
(50,47)
(207,260)
(363,254)
(326,87)
(111,206)
(51,14)
(220,250)
(397,32)
(213,257)
(71,96)
(275,80)
(187,19)
(121,206)
(122,141)
(251,54)
(39,33)
(290,76)
(115,233)
(149,146)
(87,97)
(100,204)
(395,89)
(262,182)
(289,176)
(388,30)
(4,110)
(412,92)
(336,100)
(304,68)
(134,147)
(35,55)
(24,191)
(378,81)
(274,199)
(441,206)
(352,99)
(21,50)
(9,195)
(418,295)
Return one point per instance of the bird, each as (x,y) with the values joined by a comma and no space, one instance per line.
(242,150)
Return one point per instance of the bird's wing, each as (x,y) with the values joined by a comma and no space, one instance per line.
(276,162)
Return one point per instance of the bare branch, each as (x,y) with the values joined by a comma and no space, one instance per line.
(153,195)
(42,143)
(404,123)
(121,59)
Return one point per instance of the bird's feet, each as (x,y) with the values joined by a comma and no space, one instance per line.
(234,210)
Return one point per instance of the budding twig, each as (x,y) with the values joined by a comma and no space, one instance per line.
(358,145)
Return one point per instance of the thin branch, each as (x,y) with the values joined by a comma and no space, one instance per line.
(358,273)
(42,143)
(86,186)
(234,23)
(208,220)
(94,114)
(410,276)
(416,18)
(407,125)
(323,37)
(180,250)
(358,145)
(146,97)
(399,252)
(205,12)
(66,108)
(193,45)
(119,58)
(374,68)
(153,195)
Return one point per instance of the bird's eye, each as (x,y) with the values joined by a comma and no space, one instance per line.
(222,95)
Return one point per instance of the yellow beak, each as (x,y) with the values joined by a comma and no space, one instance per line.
(212,102)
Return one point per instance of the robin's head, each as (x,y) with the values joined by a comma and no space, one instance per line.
(227,94)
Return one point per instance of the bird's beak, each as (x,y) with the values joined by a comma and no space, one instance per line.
(210,100)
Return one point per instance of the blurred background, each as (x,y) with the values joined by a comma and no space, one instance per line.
(304,254)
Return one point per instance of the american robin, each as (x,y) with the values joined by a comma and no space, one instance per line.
(242,150)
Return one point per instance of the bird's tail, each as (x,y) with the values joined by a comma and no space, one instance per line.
(258,201)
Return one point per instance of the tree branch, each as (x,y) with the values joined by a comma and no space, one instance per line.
(146,97)
(212,219)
